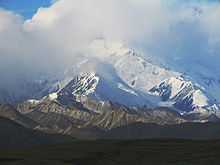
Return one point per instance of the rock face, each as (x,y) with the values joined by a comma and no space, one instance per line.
(79,119)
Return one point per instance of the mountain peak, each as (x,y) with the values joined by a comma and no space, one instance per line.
(81,85)
(183,93)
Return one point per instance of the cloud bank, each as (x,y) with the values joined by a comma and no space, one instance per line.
(174,33)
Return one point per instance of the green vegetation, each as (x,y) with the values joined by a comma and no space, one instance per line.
(118,152)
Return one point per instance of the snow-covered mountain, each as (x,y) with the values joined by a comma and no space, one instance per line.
(176,89)
(131,66)
(112,72)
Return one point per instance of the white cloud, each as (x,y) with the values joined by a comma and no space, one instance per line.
(52,39)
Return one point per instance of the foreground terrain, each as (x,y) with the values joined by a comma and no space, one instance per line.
(20,145)
(118,152)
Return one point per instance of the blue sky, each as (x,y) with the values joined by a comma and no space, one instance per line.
(27,8)
(24,7)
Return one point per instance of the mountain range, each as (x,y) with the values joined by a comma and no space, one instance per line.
(121,90)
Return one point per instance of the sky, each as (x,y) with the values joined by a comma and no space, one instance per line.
(28,8)
(39,38)
(25,8)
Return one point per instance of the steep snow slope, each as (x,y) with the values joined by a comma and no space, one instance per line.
(182,93)
(85,84)
(101,89)
(131,66)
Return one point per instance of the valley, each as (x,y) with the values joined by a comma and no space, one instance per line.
(118,152)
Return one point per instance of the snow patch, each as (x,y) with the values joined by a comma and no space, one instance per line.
(33,101)
(53,96)
(85,84)
(122,87)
